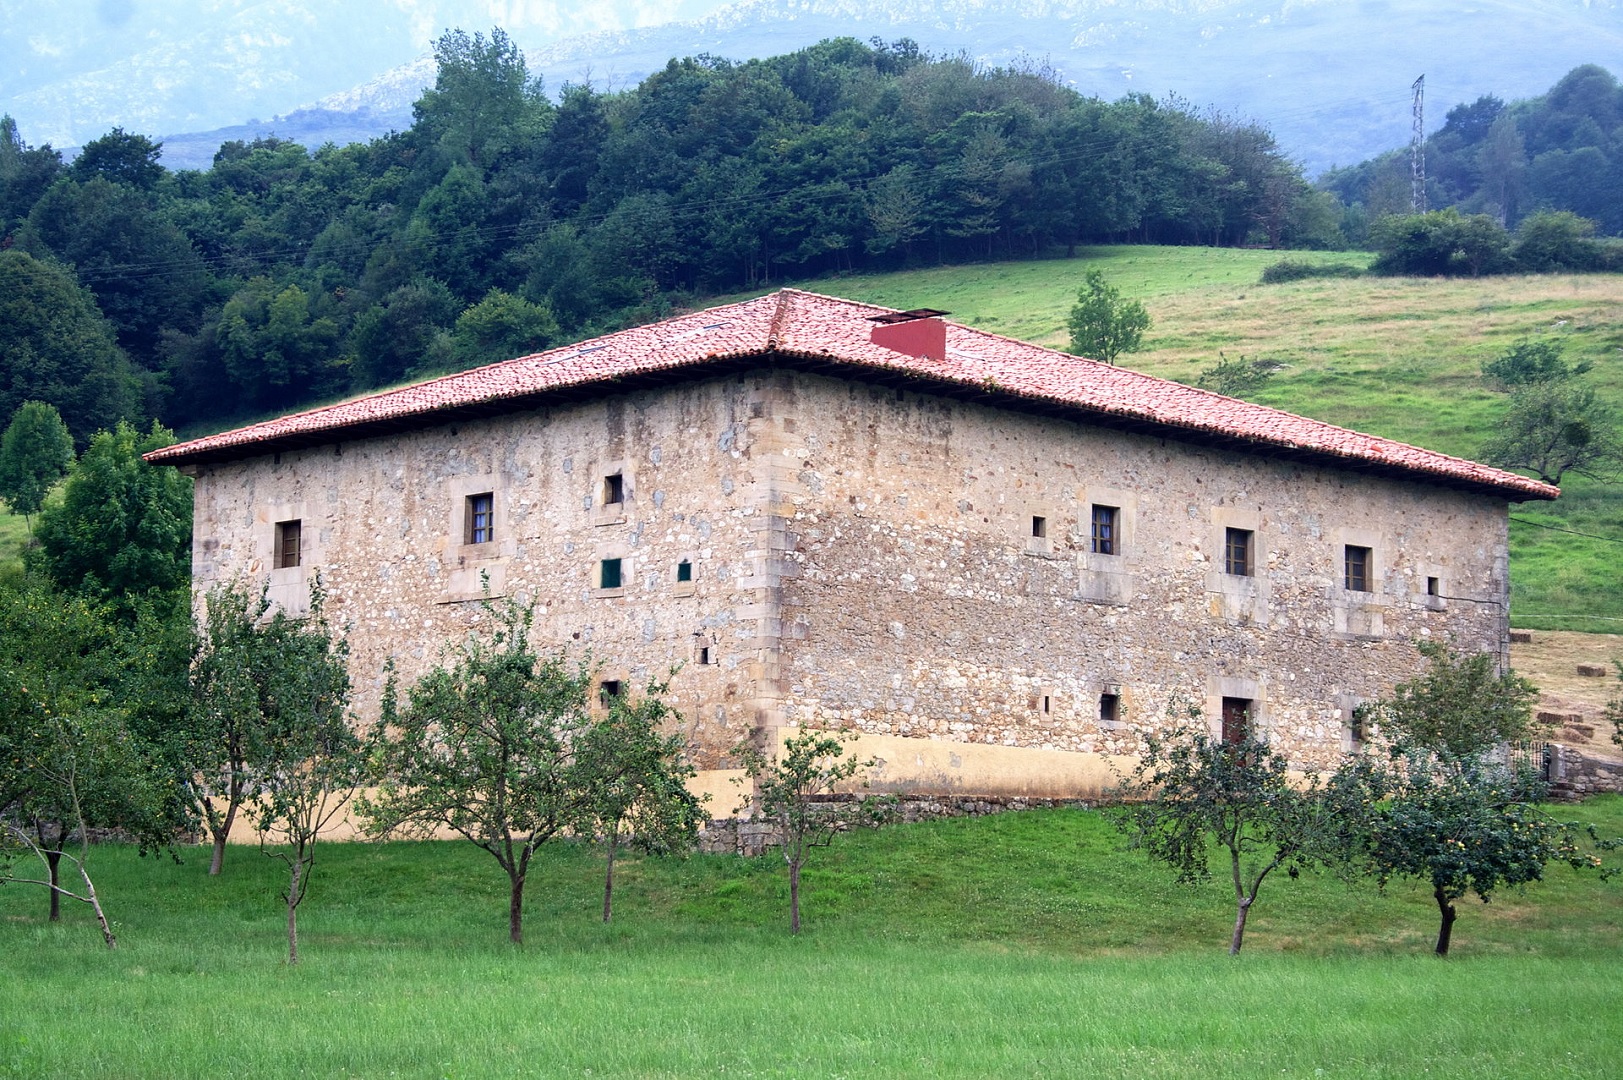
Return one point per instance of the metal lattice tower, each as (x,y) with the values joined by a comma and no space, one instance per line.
(1417,149)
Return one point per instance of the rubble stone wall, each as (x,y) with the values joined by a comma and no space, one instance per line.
(867,558)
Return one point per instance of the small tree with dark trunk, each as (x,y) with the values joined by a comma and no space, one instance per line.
(1459,817)
(250,678)
(317,760)
(789,791)
(35,453)
(1102,324)
(633,781)
(1196,790)
(484,748)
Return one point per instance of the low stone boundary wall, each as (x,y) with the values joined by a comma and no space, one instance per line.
(744,837)
(1579,776)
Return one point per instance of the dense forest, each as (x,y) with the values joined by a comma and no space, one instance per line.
(503,220)
(1561,151)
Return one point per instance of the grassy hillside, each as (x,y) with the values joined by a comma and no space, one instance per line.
(1391,356)
(1022,945)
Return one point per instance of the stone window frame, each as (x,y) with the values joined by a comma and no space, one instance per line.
(615,513)
(607,553)
(1255,691)
(1117,720)
(1126,506)
(1239,552)
(460,491)
(1354,734)
(289,586)
(1038,525)
(1378,564)
(1425,573)
(1238,599)
(286,544)
(678,586)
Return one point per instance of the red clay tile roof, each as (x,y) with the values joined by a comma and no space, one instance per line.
(794,324)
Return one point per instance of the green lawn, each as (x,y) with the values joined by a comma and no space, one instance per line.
(1398,357)
(1026,944)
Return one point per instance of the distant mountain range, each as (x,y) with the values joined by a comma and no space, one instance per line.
(1330,77)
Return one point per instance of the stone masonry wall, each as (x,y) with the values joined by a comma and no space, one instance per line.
(865,558)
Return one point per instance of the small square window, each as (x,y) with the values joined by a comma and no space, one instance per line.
(608,574)
(289,546)
(1105,538)
(1356,569)
(1237,552)
(481,519)
(608,690)
(704,654)
(1039,527)
(684,571)
(1236,719)
(614,489)
(1434,587)
(1109,710)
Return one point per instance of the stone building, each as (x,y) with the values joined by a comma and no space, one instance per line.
(998,563)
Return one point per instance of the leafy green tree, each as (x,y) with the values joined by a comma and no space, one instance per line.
(1469,825)
(25,173)
(276,350)
(1557,427)
(501,327)
(789,791)
(123,530)
(142,269)
(68,759)
(392,338)
(55,347)
(1532,361)
(1194,790)
(1555,240)
(264,687)
(35,453)
(1455,815)
(633,779)
(1440,243)
(121,157)
(312,761)
(483,748)
(1103,325)
(483,101)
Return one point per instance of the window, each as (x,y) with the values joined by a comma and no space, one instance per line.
(1236,719)
(481,519)
(608,574)
(1356,572)
(684,571)
(1434,587)
(607,691)
(1039,527)
(1105,537)
(614,489)
(289,550)
(1047,704)
(1109,710)
(1237,552)
(703,654)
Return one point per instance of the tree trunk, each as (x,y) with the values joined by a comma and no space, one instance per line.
(53,859)
(293,913)
(1243,908)
(794,897)
(608,878)
(515,912)
(1446,907)
(220,834)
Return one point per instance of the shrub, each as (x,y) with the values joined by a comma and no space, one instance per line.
(1295,270)
(1443,243)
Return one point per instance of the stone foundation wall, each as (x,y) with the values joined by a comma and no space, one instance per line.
(743,837)
(1581,775)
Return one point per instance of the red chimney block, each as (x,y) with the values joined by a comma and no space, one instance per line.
(918,333)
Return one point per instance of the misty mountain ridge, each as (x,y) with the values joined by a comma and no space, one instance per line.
(1330,77)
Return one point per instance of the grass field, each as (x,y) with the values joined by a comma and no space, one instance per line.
(1398,357)
(1021,945)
